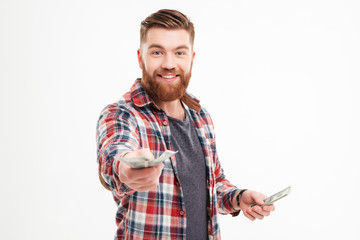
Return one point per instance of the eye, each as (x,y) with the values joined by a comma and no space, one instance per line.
(180,53)
(157,53)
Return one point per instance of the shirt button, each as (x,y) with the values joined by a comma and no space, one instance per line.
(182,213)
(165,123)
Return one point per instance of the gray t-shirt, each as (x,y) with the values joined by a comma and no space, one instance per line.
(192,173)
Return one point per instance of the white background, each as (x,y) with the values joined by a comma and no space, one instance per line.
(280,78)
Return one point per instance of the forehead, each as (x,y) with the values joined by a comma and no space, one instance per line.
(167,38)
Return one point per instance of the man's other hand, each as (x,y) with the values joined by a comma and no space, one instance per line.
(249,197)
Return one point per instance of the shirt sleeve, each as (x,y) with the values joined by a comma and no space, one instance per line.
(225,190)
(116,135)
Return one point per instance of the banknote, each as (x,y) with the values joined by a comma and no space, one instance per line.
(143,162)
(275,197)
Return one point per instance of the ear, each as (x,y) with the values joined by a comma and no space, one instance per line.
(139,58)
(193,56)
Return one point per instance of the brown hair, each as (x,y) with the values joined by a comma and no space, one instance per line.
(168,19)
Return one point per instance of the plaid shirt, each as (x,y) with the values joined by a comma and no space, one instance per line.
(134,122)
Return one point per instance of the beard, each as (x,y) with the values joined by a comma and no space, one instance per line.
(164,91)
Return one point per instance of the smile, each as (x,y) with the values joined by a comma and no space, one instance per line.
(168,78)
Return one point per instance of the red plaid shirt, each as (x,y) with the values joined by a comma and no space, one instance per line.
(134,122)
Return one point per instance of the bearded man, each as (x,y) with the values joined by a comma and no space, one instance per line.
(182,197)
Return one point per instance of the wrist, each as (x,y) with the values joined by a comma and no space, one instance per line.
(238,198)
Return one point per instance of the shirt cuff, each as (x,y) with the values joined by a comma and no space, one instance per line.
(122,187)
(237,212)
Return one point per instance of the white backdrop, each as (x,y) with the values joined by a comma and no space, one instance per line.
(280,78)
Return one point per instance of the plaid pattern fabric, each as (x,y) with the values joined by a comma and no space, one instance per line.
(132,123)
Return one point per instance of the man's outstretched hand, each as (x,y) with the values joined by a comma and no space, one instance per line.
(141,180)
(249,197)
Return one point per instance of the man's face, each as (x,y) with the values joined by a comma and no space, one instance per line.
(166,60)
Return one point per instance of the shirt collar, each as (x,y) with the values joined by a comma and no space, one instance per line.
(141,99)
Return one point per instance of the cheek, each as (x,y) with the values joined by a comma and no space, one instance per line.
(187,67)
(151,65)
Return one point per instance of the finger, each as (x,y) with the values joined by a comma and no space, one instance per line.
(254,212)
(269,208)
(145,180)
(261,211)
(146,153)
(139,174)
(145,188)
(152,179)
(247,215)
(264,213)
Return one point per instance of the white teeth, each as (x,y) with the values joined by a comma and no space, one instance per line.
(168,77)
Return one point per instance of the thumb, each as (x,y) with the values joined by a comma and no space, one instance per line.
(144,152)
(147,153)
(259,198)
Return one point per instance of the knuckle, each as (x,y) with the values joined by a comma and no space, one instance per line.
(153,181)
(153,187)
(122,176)
(140,189)
(128,174)
(146,152)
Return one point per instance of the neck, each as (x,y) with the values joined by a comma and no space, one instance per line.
(173,109)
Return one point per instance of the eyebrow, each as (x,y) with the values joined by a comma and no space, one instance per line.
(161,47)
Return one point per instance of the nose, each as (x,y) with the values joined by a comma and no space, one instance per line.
(168,62)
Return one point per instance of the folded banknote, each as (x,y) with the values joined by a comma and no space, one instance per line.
(143,162)
(275,197)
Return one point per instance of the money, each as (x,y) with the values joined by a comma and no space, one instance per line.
(143,162)
(275,197)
